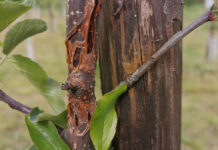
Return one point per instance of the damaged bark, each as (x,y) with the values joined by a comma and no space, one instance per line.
(81,59)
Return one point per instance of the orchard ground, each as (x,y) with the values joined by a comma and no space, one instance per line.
(199,98)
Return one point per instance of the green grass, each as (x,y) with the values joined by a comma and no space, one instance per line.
(200,89)
(199,99)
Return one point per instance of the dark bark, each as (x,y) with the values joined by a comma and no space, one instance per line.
(81,59)
(150,113)
(166,47)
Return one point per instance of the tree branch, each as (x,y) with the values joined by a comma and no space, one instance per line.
(13,103)
(207,16)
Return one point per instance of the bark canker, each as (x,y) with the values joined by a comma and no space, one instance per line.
(81,59)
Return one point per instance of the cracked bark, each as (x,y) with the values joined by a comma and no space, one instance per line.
(150,113)
(81,59)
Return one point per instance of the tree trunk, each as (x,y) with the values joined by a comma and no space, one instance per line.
(30,48)
(130,31)
(212,43)
(51,19)
(208,3)
(212,40)
(81,59)
(37,11)
(34,13)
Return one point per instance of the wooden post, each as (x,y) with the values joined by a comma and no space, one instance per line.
(130,31)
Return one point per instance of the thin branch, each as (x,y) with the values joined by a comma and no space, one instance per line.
(13,103)
(166,47)
(3,59)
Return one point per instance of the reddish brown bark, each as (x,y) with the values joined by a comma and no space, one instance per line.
(150,113)
(81,59)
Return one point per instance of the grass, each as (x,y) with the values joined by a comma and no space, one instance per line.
(200,89)
(199,99)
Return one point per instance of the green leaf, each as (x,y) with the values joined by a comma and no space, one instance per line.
(60,120)
(38,115)
(49,88)
(22,31)
(54,96)
(1,44)
(45,135)
(11,10)
(32,70)
(34,114)
(33,148)
(104,122)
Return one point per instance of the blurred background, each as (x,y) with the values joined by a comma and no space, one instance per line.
(200,77)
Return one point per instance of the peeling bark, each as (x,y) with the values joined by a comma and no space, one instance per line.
(150,113)
(81,59)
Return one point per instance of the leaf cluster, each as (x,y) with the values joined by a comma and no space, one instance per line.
(41,125)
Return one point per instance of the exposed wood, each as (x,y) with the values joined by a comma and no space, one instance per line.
(150,113)
(81,59)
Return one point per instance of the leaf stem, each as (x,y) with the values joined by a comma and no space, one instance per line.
(166,47)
